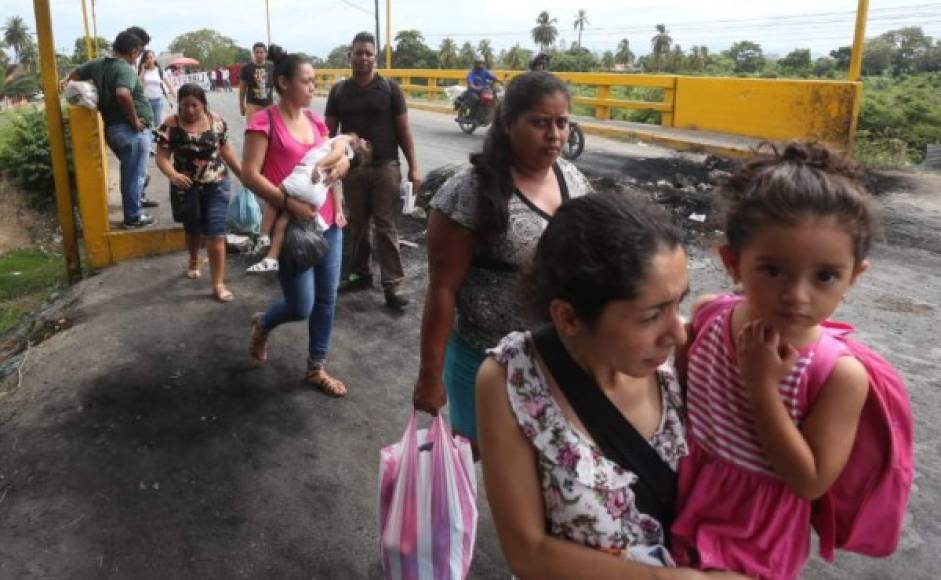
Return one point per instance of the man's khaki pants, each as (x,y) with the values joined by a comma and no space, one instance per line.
(372,193)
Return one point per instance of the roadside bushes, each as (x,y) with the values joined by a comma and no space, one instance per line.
(25,160)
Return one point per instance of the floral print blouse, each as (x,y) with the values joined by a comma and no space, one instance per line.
(588,498)
(196,156)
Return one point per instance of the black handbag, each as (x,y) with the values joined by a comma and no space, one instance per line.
(304,246)
(655,490)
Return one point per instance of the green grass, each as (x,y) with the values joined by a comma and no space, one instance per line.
(27,277)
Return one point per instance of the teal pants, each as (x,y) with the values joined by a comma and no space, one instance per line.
(461,362)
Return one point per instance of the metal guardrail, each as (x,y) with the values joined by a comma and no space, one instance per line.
(774,109)
(436,80)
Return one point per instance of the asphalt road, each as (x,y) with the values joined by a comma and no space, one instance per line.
(142,442)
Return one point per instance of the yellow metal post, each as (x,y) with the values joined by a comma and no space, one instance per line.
(603,112)
(94,28)
(388,34)
(859,40)
(669,98)
(60,171)
(91,181)
(89,51)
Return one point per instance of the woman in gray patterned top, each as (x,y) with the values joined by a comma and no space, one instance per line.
(484,226)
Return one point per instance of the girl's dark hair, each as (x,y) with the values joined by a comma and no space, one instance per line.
(192,90)
(285,64)
(143,58)
(492,165)
(800,181)
(596,250)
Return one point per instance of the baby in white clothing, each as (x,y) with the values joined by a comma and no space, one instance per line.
(306,183)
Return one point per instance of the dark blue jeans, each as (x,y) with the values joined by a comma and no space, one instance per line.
(132,149)
(311,295)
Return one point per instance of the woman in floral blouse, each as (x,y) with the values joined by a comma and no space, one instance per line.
(607,279)
(198,143)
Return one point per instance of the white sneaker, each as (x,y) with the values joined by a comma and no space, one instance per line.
(266,265)
(261,243)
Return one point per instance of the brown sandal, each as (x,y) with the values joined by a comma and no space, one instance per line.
(259,346)
(222,294)
(192,272)
(326,384)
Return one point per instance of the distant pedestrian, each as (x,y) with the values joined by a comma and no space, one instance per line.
(225,79)
(156,87)
(257,84)
(374,108)
(128,118)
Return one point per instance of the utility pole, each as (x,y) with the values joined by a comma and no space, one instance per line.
(856,57)
(388,34)
(378,40)
(268,20)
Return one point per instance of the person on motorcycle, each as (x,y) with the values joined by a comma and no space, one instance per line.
(539,62)
(478,79)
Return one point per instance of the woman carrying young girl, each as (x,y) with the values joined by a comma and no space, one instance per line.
(580,420)
(276,139)
(767,435)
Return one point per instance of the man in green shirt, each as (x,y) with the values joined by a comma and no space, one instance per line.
(128,119)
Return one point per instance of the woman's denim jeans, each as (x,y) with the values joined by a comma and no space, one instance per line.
(312,295)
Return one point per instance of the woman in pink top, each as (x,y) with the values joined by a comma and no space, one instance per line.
(275,140)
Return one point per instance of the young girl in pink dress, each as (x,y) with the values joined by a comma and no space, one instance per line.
(766,436)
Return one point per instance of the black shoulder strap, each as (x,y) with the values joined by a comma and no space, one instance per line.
(655,492)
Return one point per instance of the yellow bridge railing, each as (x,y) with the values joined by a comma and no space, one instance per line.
(774,109)
(436,80)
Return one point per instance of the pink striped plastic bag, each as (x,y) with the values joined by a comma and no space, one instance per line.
(427,505)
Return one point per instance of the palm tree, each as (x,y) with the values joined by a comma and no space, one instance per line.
(4,59)
(624,55)
(16,35)
(485,50)
(447,54)
(465,57)
(545,33)
(517,58)
(660,45)
(581,20)
(29,55)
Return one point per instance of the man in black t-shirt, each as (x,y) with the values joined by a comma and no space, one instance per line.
(374,108)
(256,84)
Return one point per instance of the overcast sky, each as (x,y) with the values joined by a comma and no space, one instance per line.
(316,26)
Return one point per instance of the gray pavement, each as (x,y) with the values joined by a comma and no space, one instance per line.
(142,442)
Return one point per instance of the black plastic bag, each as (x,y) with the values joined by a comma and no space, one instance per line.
(304,246)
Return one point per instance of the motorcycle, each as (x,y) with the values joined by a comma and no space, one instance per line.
(576,143)
(469,118)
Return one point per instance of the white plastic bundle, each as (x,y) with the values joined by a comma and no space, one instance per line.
(82,94)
